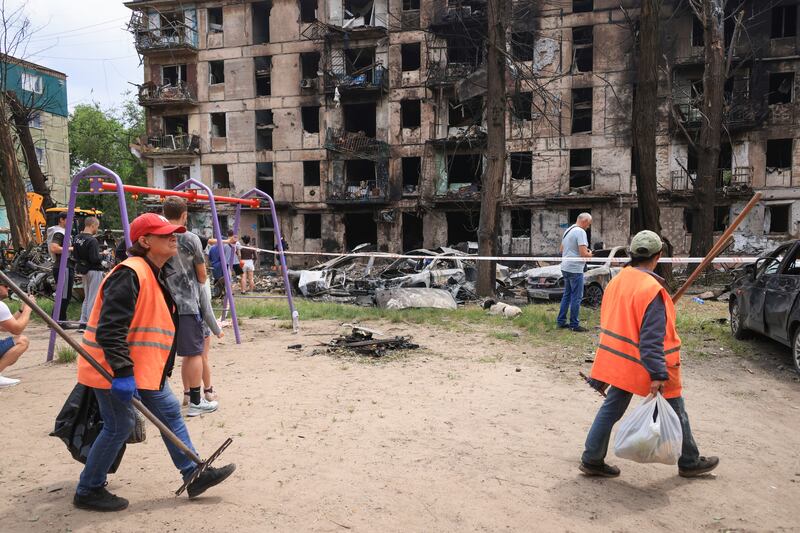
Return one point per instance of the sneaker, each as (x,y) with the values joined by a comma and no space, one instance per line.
(7,382)
(579,329)
(210,394)
(196,409)
(99,500)
(704,466)
(212,476)
(602,470)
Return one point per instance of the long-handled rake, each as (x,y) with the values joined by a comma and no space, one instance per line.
(201,465)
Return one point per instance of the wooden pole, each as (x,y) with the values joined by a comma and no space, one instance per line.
(717,248)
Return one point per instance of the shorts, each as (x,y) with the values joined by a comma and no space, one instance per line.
(191,340)
(5,345)
(248,265)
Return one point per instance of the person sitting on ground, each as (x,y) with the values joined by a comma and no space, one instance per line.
(248,265)
(131,333)
(11,348)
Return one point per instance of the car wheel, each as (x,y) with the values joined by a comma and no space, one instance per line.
(796,350)
(593,296)
(738,331)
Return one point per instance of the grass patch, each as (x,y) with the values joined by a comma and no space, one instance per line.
(504,335)
(66,354)
(73,311)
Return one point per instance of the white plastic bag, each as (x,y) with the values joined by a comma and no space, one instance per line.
(641,439)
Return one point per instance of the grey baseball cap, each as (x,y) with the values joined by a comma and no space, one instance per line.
(645,243)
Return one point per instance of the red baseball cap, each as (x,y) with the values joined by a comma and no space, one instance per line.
(153,224)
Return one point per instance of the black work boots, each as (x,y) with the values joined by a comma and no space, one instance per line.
(212,476)
(100,500)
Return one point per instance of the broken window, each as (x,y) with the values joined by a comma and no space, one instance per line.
(413,238)
(311,173)
(310,118)
(265,178)
(216,72)
(722,215)
(412,167)
(263,69)
(359,228)
(465,169)
(582,46)
(523,106)
(582,110)
(312,226)
(264,127)
(222,179)
(522,45)
(309,63)
(173,74)
(176,125)
(462,226)
(410,113)
(174,176)
(467,113)
(260,12)
(359,9)
(360,62)
(410,56)
(777,218)
(781,85)
(308,10)
(784,21)
(582,6)
(214,19)
(461,49)
(698,36)
(360,118)
(521,165)
(779,154)
(580,168)
(358,170)
(169,24)
(410,5)
(520,223)
(219,127)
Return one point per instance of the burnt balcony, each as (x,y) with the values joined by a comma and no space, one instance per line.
(461,14)
(737,116)
(355,145)
(171,35)
(372,79)
(373,191)
(448,73)
(152,95)
(375,27)
(181,144)
(727,178)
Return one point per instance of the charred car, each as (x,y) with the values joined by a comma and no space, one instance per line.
(547,283)
(765,299)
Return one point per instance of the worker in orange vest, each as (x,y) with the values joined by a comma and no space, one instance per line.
(639,353)
(131,333)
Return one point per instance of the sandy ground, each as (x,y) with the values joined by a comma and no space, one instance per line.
(468,434)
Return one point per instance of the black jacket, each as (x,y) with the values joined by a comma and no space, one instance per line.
(86,253)
(120,293)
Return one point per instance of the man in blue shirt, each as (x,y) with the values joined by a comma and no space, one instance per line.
(574,244)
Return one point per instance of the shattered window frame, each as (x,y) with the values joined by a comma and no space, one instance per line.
(784,212)
(312,225)
(776,83)
(779,154)
(583,48)
(215,17)
(216,72)
(582,112)
(580,174)
(784,21)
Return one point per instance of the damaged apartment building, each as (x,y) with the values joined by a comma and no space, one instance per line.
(365,119)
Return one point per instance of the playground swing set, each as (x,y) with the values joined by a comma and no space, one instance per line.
(193,191)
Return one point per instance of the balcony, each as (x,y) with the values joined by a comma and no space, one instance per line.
(355,145)
(737,116)
(152,95)
(372,79)
(727,178)
(347,29)
(170,146)
(448,73)
(363,192)
(172,34)
(461,14)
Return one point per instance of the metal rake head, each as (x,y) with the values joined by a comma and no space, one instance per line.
(202,467)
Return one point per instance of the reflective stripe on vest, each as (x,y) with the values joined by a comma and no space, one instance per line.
(618,361)
(150,336)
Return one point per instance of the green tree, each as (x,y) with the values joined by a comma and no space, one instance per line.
(104,136)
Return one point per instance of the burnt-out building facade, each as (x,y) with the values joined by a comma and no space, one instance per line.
(365,120)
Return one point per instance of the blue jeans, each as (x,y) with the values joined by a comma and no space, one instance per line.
(117,426)
(612,410)
(571,300)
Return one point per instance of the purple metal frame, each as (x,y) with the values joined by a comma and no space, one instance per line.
(218,235)
(95,173)
(279,242)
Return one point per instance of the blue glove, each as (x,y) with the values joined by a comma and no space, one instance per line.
(123,389)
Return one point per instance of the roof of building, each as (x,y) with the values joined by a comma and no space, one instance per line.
(27,64)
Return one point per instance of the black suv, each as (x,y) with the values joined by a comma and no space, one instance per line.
(765,299)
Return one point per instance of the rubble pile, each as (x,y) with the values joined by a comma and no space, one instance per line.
(361,342)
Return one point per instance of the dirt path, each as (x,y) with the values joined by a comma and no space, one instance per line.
(469,434)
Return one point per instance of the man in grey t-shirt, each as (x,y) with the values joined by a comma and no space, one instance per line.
(574,244)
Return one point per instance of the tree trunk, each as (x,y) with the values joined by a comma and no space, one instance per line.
(496,144)
(12,187)
(645,122)
(708,144)
(22,116)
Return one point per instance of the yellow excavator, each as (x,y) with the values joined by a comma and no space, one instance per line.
(40,219)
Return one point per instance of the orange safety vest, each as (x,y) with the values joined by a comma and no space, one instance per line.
(150,336)
(617,361)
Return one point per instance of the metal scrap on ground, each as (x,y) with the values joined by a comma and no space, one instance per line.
(362,342)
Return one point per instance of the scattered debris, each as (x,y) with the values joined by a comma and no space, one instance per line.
(408,298)
(362,342)
(294,347)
